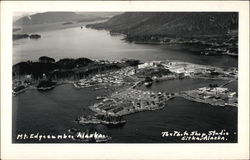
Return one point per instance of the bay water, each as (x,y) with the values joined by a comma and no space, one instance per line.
(54,112)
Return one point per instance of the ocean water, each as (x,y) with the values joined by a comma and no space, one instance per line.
(98,44)
(55,111)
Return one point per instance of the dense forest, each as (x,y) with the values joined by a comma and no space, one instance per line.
(66,68)
(209,33)
(171,23)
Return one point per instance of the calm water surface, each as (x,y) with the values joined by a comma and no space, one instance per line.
(54,112)
(95,44)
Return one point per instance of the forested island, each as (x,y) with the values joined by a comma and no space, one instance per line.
(67,23)
(21,36)
(46,73)
(67,68)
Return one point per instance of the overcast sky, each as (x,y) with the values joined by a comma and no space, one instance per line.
(17,15)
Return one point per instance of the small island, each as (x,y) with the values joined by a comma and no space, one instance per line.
(46,85)
(67,23)
(19,36)
(22,36)
(35,36)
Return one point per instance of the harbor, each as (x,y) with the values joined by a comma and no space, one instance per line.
(146,95)
(65,102)
(128,96)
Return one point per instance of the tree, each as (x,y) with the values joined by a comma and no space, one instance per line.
(45,59)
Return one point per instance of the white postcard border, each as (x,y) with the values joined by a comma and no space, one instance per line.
(124,151)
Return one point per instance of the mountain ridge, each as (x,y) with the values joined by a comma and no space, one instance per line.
(52,17)
(171,23)
(46,17)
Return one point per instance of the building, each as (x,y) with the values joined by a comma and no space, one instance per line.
(144,65)
(151,64)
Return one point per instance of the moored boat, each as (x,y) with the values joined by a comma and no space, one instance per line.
(100,97)
(102,119)
(147,84)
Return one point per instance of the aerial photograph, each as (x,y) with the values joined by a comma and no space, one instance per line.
(125,77)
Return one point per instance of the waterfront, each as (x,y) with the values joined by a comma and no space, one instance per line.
(55,111)
(173,85)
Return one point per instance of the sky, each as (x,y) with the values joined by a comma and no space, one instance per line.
(17,15)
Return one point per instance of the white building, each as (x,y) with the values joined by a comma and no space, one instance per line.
(149,64)
(144,65)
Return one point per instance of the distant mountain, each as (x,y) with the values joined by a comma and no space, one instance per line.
(171,23)
(46,17)
(50,17)
(99,14)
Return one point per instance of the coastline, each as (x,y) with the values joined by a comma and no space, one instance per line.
(194,99)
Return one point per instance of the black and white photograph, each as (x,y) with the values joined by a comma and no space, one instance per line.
(130,77)
(125,77)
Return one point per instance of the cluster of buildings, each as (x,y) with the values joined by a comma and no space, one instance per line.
(19,85)
(131,101)
(111,78)
(143,99)
(213,95)
(107,61)
(184,69)
(151,64)
(216,46)
(220,50)
(196,71)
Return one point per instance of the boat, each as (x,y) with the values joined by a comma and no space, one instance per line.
(147,84)
(100,97)
(102,119)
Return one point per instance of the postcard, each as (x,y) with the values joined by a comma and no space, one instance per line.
(114,80)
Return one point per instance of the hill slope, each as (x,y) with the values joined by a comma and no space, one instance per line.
(51,17)
(46,17)
(209,33)
(171,23)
